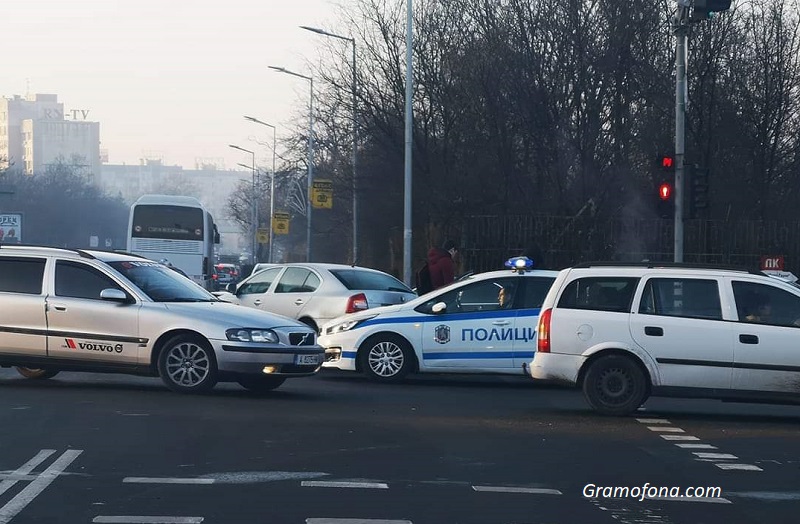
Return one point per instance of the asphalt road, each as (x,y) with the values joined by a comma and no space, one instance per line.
(337,449)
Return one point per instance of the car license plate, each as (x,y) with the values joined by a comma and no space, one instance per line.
(308,360)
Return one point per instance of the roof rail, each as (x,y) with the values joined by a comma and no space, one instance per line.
(678,265)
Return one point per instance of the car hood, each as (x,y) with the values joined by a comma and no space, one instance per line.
(367,313)
(232,315)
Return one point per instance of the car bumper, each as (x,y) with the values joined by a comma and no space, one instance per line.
(257,359)
(556,368)
(339,352)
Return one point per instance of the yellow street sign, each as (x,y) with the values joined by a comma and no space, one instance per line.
(280,223)
(322,194)
(262,235)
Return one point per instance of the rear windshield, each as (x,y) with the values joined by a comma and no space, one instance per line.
(354,279)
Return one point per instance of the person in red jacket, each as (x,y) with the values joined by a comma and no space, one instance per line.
(441,265)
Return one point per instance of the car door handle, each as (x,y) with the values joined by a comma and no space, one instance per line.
(654,331)
(257,302)
(59,307)
(748,339)
(500,323)
(299,302)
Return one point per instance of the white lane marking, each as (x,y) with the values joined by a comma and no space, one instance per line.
(716,456)
(509,489)
(334,484)
(738,467)
(32,490)
(653,420)
(709,500)
(665,429)
(26,468)
(696,446)
(13,477)
(120,519)
(678,437)
(166,480)
(356,521)
(766,495)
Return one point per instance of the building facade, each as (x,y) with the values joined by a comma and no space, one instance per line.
(36,132)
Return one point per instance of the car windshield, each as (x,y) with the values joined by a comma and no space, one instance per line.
(355,279)
(160,283)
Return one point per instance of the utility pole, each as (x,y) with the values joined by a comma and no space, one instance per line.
(681,30)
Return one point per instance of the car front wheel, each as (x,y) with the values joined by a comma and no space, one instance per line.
(386,358)
(615,385)
(35,373)
(187,365)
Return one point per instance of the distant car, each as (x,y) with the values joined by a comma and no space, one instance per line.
(224,274)
(76,310)
(316,293)
(483,323)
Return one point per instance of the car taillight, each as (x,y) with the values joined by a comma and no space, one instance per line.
(543,335)
(214,276)
(356,303)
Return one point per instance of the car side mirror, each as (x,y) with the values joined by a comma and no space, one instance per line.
(231,288)
(439,307)
(114,295)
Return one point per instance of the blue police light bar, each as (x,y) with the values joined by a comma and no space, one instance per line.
(519,263)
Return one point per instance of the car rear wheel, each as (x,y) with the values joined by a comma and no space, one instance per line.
(615,385)
(38,374)
(261,384)
(386,358)
(187,365)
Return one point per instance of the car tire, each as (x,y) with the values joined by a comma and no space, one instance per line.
(187,364)
(615,385)
(261,385)
(37,374)
(386,358)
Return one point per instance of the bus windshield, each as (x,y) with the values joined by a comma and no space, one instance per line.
(168,222)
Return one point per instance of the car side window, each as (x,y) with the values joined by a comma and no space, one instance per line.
(21,275)
(486,295)
(613,294)
(78,280)
(763,304)
(536,289)
(294,280)
(259,283)
(681,297)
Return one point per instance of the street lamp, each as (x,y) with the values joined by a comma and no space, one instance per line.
(271,183)
(254,206)
(408,144)
(310,159)
(355,133)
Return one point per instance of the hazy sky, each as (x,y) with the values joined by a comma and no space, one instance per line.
(173,77)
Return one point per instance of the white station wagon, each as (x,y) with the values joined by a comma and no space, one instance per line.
(624,332)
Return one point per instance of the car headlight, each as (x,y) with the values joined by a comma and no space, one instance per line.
(252,335)
(347,325)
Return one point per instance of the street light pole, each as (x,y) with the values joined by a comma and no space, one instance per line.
(310,154)
(408,147)
(355,133)
(254,206)
(681,28)
(271,185)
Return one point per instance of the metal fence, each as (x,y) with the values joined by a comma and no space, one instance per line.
(562,241)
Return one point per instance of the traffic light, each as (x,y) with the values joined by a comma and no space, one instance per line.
(666,201)
(698,191)
(705,9)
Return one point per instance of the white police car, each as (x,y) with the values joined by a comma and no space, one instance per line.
(485,323)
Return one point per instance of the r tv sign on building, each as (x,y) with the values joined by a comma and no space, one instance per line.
(10,228)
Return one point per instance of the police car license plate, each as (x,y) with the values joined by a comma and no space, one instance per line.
(307,360)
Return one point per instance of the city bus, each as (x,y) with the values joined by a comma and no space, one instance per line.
(176,230)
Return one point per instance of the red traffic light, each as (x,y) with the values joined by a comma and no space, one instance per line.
(667,162)
(665,191)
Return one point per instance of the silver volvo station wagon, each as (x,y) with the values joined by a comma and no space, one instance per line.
(76,310)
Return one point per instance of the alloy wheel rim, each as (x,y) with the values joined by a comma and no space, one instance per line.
(188,364)
(386,359)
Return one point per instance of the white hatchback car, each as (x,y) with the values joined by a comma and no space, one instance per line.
(485,323)
(624,332)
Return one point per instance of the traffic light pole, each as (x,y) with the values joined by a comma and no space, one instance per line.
(681,28)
